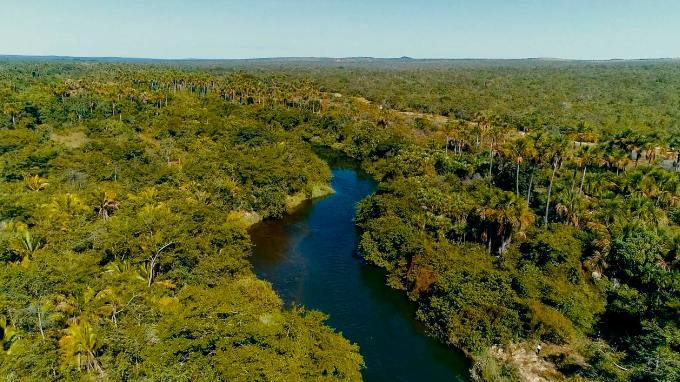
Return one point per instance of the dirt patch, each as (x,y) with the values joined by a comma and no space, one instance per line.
(292,201)
(320,190)
(248,218)
(74,139)
(409,115)
(532,367)
(434,118)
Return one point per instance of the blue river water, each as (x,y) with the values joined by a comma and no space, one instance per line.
(310,257)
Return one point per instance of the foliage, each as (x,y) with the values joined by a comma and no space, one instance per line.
(539,204)
(121,257)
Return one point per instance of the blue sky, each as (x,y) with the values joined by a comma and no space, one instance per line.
(579,29)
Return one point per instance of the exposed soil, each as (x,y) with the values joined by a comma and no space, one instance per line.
(72,140)
(532,367)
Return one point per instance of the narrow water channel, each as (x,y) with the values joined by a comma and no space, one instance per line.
(310,258)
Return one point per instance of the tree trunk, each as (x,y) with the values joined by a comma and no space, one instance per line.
(490,158)
(531,180)
(517,180)
(42,333)
(580,190)
(503,243)
(547,202)
(573,179)
(96,364)
(152,265)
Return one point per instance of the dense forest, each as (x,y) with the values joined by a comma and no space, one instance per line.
(613,96)
(518,203)
(124,251)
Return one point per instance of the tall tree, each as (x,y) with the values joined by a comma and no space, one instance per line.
(497,131)
(509,211)
(519,150)
(588,156)
(557,147)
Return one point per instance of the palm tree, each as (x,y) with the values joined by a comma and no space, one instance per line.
(35,182)
(8,334)
(519,150)
(31,245)
(64,207)
(571,206)
(68,203)
(105,203)
(509,211)
(483,124)
(28,247)
(557,146)
(79,346)
(587,156)
(542,146)
(650,147)
(647,186)
(583,132)
(610,210)
(618,159)
(633,181)
(643,209)
(497,131)
(673,152)
(669,186)
(601,183)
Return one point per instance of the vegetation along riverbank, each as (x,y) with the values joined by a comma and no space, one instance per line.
(519,203)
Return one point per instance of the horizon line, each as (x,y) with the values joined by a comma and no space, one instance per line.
(405,58)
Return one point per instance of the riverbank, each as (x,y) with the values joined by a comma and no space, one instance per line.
(250,218)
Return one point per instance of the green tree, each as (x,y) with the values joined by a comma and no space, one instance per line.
(520,150)
(556,153)
(79,347)
(509,211)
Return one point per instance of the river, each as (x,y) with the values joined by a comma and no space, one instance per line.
(310,257)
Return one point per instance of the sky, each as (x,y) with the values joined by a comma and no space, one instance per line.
(214,29)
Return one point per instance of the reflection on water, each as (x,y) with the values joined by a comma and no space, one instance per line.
(310,258)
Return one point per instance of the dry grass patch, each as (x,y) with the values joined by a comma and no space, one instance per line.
(532,367)
(73,139)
